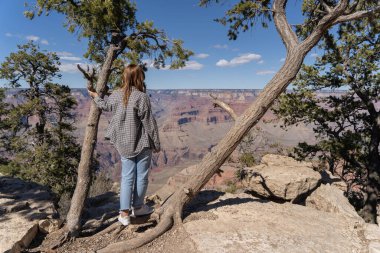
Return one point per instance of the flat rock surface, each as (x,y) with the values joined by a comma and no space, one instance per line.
(22,205)
(241,223)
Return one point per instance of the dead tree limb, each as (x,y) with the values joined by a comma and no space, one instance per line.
(224,106)
(296,52)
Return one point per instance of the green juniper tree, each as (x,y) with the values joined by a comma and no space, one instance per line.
(4,127)
(39,126)
(114,36)
(347,125)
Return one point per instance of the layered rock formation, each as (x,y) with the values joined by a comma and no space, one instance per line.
(189,126)
(24,209)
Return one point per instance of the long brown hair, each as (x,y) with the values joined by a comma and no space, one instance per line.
(133,75)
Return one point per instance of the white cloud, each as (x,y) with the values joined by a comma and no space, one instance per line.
(32,37)
(282,59)
(8,34)
(69,58)
(201,56)
(242,59)
(45,42)
(260,62)
(192,65)
(63,53)
(189,65)
(314,55)
(218,46)
(68,67)
(265,72)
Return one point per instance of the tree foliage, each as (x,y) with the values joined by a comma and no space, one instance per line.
(115,22)
(245,14)
(347,124)
(38,125)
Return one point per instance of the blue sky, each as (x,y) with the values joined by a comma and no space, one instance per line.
(247,63)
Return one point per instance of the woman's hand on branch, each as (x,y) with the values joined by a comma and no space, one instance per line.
(92,94)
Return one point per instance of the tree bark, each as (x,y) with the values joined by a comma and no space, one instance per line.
(372,188)
(73,220)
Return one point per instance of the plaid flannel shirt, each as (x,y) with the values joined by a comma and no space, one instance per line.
(133,127)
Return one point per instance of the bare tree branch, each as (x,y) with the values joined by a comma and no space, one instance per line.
(288,36)
(224,106)
(356,15)
(325,23)
(90,76)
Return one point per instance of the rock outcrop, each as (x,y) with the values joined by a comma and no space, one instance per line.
(242,223)
(23,206)
(282,177)
(330,199)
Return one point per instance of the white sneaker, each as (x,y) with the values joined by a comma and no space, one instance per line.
(126,220)
(143,210)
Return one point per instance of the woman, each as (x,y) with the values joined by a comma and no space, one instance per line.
(134,133)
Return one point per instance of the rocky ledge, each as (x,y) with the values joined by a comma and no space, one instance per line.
(25,208)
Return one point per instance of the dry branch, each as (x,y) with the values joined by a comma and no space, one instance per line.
(89,76)
(224,106)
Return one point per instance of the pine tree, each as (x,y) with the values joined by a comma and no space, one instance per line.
(39,127)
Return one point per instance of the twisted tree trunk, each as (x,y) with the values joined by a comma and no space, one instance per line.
(73,220)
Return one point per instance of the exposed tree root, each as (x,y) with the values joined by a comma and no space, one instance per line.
(66,236)
(164,225)
(118,230)
(94,226)
(108,229)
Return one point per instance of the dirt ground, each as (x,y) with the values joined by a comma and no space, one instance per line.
(174,241)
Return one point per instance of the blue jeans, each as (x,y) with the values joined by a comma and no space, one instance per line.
(134,179)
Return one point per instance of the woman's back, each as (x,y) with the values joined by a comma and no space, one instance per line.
(133,127)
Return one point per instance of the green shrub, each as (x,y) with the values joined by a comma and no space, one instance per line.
(247,160)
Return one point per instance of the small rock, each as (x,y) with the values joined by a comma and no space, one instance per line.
(281,177)
(330,199)
(26,239)
(49,225)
